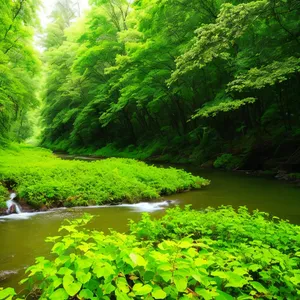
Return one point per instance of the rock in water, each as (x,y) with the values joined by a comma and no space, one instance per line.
(12,209)
(12,206)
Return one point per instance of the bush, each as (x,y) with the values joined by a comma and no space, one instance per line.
(216,254)
(43,179)
(3,196)
(227,161)
(294,176)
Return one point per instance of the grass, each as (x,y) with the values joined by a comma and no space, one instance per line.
(42,179)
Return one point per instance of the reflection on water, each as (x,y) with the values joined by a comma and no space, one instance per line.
(22,237)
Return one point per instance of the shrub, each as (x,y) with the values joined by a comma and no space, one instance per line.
(294,176)
(3,196)
(227,161)
(240,256)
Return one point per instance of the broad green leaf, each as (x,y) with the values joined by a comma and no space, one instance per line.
(71,287)
(158,293)
(141,289)
(137,259)
(181,283)
(235,280)
(83,277)
(86,294)
(6,293)
(121,295)
(259,287)
(206,294)
(223,296)
(59,294)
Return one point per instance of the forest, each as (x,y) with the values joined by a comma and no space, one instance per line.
(117,110)
(176,81)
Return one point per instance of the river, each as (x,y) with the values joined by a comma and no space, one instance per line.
(22,236)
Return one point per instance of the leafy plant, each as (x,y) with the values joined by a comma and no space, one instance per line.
(3,196)
(42,179)
(227,161)
(213,254)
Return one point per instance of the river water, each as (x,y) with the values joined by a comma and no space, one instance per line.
(22,236)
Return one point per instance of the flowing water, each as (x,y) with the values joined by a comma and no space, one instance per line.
(12,205)
(22,235)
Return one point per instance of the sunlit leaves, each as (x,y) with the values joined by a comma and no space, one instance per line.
(154,71)
(7,293)
(215,40)
(220,267)
(258,78)
(71,287)
(59,294)
(227,105)
(137,259)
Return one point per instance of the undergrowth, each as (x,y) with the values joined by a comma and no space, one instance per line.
(227,161)
(216,254)
(42,179)
(3,196)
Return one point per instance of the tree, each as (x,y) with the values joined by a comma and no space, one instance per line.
(19,65)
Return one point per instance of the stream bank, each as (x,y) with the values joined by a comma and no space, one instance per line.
(227,188)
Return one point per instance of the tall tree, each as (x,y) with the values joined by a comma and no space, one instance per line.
(19,65)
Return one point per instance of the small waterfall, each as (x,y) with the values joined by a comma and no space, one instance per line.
(10,203)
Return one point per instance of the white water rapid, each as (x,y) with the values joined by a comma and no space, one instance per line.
(11,202)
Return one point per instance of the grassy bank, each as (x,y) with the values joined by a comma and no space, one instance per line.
(217,254)
(158,152)
(3,196)
(42,179)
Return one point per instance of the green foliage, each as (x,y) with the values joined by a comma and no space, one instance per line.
(214,254)
(227,161)
(213,108)
(215,40)
(294,176)
(274,73)
(43,179)
(19,66)
(3,196)
(133,74)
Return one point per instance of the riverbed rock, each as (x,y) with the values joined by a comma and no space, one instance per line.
(12,209)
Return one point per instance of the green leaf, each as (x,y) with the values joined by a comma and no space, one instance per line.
(7,292)
(158,293)
(223,296)
(83,277)
(137,259)
(122,285)
(181,283)
(86,294)
(141,289)
(71,287)
(57,281)
(108,288)
(295,279)
(259,287)
(235,280)
(59,294)
(121,295)
(206,294)
(103,270)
